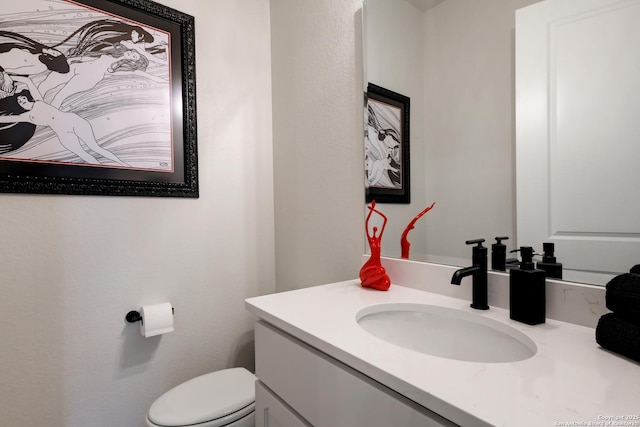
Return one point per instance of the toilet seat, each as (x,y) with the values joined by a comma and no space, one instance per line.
(217,399)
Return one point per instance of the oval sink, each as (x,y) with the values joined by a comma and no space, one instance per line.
(446,332)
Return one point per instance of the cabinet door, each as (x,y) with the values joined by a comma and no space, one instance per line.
(272,412)
(328,393)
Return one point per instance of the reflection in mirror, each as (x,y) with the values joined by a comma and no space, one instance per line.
(455,60)
(577,130)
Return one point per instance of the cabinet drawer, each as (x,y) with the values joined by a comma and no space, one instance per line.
(272,412)
(328,393)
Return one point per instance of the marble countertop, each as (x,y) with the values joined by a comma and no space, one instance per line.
(570,380)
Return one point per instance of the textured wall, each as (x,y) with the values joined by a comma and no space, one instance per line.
(317,137)
(71,267)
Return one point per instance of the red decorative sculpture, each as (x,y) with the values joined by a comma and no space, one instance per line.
(372,274)
(404,243)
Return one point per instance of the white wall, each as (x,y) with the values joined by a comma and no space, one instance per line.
(469,122)
(318,142)
(71,267)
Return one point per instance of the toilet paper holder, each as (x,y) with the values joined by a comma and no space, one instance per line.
(134,316)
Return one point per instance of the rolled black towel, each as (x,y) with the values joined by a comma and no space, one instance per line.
(623,295)
(635,269)
(619,335)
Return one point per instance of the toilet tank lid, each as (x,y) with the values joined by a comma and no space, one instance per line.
(205,398)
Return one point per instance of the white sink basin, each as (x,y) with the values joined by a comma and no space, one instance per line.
(446,332)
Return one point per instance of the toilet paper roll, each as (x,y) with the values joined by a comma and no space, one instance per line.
(156,319)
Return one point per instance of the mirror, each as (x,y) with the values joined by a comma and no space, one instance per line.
(455,60)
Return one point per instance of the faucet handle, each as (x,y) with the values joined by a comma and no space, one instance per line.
(473,242)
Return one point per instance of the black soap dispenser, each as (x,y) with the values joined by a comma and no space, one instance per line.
(552,268)
(527,290)
(499,254)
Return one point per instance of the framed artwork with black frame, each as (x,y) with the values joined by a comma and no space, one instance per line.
(97,97)
(386,142)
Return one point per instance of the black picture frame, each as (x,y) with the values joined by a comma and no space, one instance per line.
(175,177)
(386,138)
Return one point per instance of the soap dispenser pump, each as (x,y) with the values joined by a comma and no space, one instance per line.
(499,254)
(552,268)
(527,290)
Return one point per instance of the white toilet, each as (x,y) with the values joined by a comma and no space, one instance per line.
(222,398)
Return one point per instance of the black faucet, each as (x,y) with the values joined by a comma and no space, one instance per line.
(479,272)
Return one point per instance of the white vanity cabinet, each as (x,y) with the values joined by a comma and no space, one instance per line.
(318,366)
(273,412)
(301,386)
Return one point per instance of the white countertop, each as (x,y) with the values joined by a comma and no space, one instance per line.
(570,379)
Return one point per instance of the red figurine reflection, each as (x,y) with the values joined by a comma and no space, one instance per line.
(372,273)
(404,243)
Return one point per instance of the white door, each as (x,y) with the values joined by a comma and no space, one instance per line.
(578,131)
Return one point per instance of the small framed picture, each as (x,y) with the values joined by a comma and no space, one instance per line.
(386,146)
(97,97)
